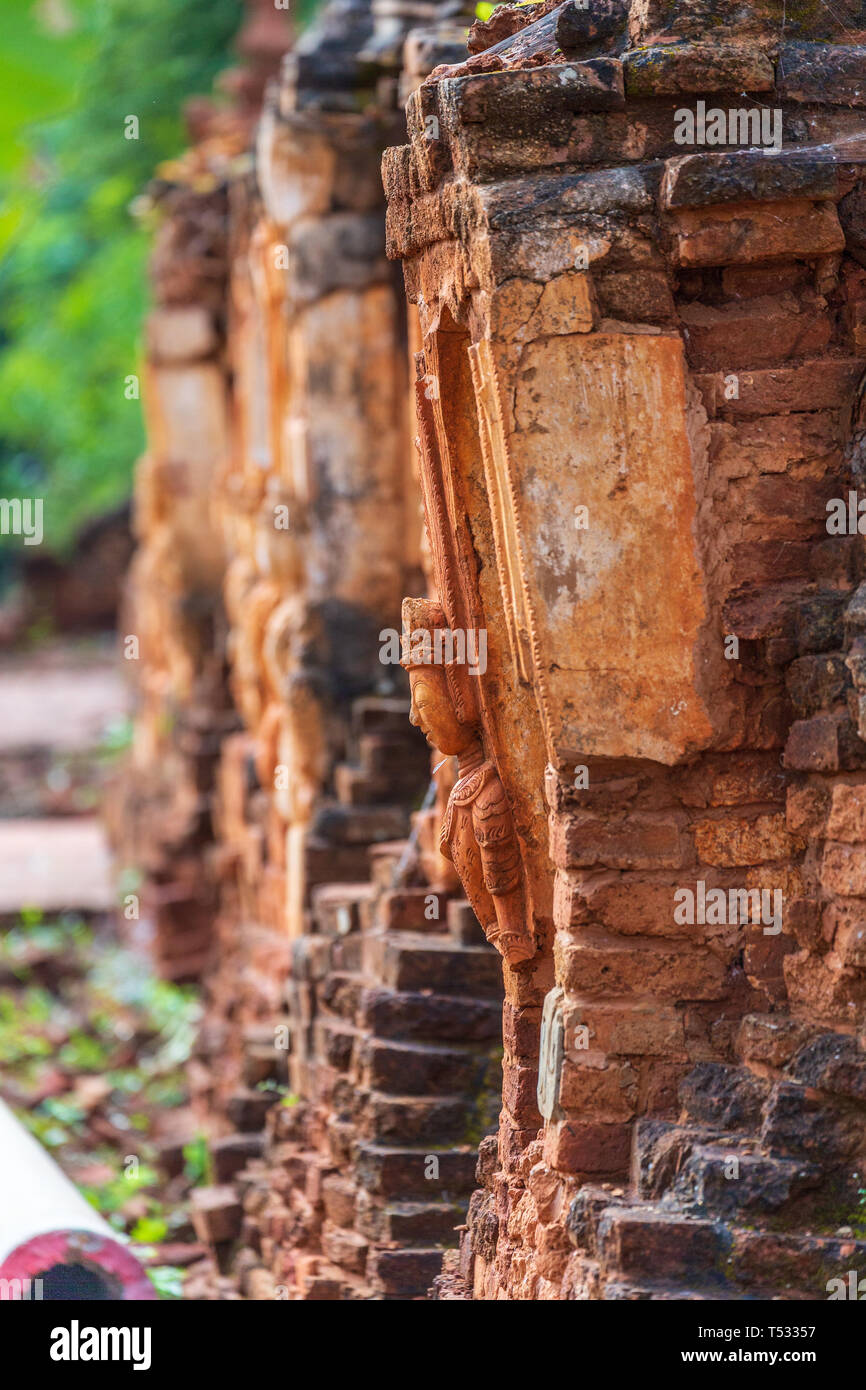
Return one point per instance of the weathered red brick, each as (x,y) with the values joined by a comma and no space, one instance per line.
(637,841)
(848,813)
(606,1093)
(573,1147)
(620,1029)
(644,969)
(843,870)
(733,841)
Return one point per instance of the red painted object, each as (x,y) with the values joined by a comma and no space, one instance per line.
(73,1265)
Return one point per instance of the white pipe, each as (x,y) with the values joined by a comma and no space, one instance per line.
(35,1196)
(44,1220)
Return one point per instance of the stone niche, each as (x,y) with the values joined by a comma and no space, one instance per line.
(597,426)
(598,540)
(475,571)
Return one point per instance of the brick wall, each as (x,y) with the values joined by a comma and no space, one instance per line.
(666,372)
(640,367)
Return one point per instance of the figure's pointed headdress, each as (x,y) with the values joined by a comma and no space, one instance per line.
(422,618)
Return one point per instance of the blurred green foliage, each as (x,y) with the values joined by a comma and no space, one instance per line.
(100,1049)
(72,259)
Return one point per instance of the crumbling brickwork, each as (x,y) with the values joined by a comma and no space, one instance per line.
(631,235)
(395,1052)
(345,978)
(647,366)
(173,622)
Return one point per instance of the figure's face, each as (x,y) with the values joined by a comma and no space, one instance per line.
(433,713)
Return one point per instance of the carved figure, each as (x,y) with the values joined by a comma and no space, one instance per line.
(438,871)
(478,834)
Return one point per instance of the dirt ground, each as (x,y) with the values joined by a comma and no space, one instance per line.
(93,1047)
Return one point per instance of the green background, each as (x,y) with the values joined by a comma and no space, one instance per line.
(72,257)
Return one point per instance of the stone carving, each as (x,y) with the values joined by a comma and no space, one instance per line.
(551,1052)
(478,833)
(438,871)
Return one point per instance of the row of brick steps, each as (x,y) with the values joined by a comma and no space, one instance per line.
(401,1039)
(353,1185)
(374,794)
(734,1200)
